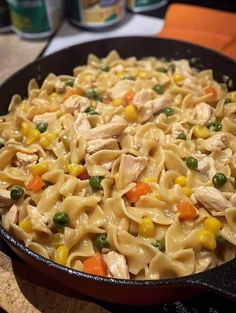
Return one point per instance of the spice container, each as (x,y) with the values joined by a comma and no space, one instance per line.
(95,14)
(5,22)
(35,19)
(145,5)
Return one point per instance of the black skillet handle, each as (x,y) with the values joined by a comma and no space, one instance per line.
(221,280)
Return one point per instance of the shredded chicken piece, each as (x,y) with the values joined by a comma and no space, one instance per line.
(120,89)
(45,118)
(38,221)
(10,217)
(176,129)
(130,168)
(206,164)
(60,86)
(81,124)
(100,144)
(75,103)
(205,260)
(210,198)
(25,159)
(215,143)
(5,198)
(183,67)
(116,264)
(201,114)
(143,96)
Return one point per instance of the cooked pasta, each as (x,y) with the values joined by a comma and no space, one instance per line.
(125,169)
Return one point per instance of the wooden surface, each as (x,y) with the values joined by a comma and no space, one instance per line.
(16,53)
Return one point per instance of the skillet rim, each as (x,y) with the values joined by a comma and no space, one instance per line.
(195,279)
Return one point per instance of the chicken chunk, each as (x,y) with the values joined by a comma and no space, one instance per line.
(75,103)
(5,198)
(176,129)
(206,164)
(182,66)
(210,198)
(81,124)
(60,86)
(120,89)
(45,118)
(100,144)
(10,217)
(201,113)
(130,168)
(215,143)
(143,96)
(116,264)
(24,159)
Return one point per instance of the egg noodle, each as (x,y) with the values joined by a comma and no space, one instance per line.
(125,169)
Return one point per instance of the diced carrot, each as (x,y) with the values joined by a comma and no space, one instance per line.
(139,190)
(211,90)
(83,175)
(35,184)
(95,265)
(129,96)
(69,92)
(186,210)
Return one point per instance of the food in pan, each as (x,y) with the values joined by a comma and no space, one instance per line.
(125,170)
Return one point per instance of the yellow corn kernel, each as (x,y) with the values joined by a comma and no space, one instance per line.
(75,169)
(181,180)
(117,102)
(206,239)
(143,74)
(86,78)
(131,113)
(146,228)
(25,127)
(201,132)
(24,108)
(177,77)
(53,96)
(57,240)
(149,179)
(120,74)
(233,96)
(212,224)
(26,225)
(158,196)
(39,168)
(47,139)
(187,191)
(60,255)
(32,136)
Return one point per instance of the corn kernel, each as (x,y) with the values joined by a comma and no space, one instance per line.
(149,179)
(146,228)
(120,74)
(177,77)
(130,113)
(86,78)
(24,108)
(57,240)
(143,74)
(187,191)
(25,127)
(26,225)
(232,96)
(206,239)
(75,169)
(39,169)
(117,102)
(53,96)
(181,180)
(61,255)
(47,139)
(201,132)
(32,136)
(212,224)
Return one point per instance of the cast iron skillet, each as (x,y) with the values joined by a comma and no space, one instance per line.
(222,279)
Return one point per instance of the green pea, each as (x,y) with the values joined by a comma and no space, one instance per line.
(159,89)
(92,94)
(69,82)
(91,111)
(42,127)
(95,182)
(181,136)
(105,68)
(16,192)
(215,125)
(220,240)
(128,78)
(160,244)
(219,179)
(61,219)
(227,100)
(162,69)
(168,111)
(191,163)
(2,143)
(101,241)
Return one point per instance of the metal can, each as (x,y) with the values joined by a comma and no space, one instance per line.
(5,22)
(145,5)
(35,19)
(95,14)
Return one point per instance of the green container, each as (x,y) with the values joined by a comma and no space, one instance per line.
(35,19)
(5,22)
(145,5)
